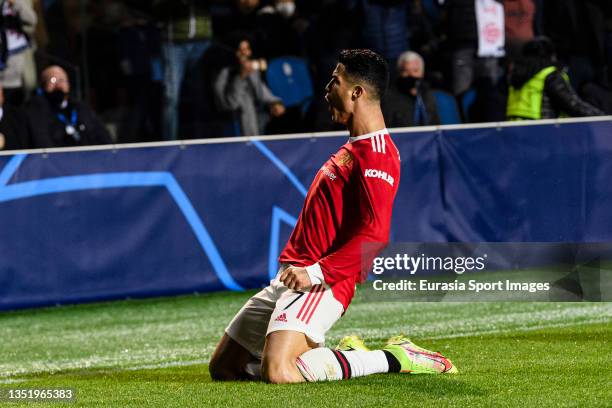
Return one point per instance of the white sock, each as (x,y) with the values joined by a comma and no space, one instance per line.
(323,364)
(366,362)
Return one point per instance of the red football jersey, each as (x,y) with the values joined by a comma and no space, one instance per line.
(349,204)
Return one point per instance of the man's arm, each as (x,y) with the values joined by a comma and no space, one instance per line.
(565,98)
(224,96)
(27,15)
(266,95)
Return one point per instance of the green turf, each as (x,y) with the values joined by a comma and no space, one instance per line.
(153,352)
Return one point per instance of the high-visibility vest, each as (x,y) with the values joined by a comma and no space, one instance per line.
(526,102)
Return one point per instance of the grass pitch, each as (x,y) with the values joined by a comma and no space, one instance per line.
(154,353)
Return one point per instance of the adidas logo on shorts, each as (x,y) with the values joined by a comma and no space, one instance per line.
(281,318)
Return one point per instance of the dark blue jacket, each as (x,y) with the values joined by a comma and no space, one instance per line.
(384,28)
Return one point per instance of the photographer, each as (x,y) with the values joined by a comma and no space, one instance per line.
(57,120)
(17,22)
(241,89)
(409,101)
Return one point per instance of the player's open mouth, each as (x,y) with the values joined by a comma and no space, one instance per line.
(331,111)
(330,106)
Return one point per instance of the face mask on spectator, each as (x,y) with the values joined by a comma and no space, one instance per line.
(405,84)
(286,9)
(56,98)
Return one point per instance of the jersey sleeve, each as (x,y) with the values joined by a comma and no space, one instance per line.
(375,191)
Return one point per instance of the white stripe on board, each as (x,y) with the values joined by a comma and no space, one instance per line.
(311,135)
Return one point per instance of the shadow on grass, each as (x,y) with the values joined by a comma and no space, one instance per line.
(445,386)
(187,375)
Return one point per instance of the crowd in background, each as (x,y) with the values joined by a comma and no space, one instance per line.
(77,72)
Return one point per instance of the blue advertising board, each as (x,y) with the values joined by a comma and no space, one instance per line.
(108,223)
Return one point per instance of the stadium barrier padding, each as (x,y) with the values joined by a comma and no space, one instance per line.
(79,226)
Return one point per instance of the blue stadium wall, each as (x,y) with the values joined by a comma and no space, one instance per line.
(91,225)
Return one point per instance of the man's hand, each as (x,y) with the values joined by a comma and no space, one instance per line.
(277,109)
(295,278)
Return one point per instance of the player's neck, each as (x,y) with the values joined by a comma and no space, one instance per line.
(366,121)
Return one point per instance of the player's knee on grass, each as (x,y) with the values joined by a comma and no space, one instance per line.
(281,350)
(277,368)
(229,361)
(281,372)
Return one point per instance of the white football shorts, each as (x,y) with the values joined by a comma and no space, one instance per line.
(312,312)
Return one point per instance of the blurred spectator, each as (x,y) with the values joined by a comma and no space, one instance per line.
(39,41)
(282,30)
(539,89)
(608,12)
(186,37)
(538,18)
(244,15)
(17,23)
(489,102)
(598,95)
(13,127)
(383,27)
(138,48)
(55,120)
(520,15)
(577,28)
(103,61)
(409,101)
(64,25)
(240,88)
(331,30)
(124,43)
(476,35)
(239,17)
(422,22)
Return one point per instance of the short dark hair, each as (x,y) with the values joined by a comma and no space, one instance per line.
(235,38)
(363,65)
(539,47)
